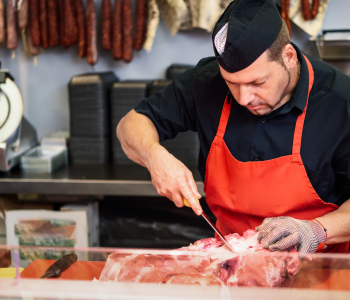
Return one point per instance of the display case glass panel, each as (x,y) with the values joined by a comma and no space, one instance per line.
(103,273)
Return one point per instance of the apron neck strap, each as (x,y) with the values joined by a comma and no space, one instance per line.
(225,114)
(300,121)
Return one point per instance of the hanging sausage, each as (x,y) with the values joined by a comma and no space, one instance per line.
(2,22)
(308,13)
(140,24)
(285,14)
(23,21)
(61,13)
(44,32)
(127,31)
(81,23)
(117,30)
(12,40)
(70,23)
(22,15)
(106,24)
(54,35)
(31,50)
(92,53)
(34,22)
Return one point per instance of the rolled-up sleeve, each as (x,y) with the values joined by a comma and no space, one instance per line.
(172,110)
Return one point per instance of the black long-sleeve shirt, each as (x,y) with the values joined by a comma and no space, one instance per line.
(195,99)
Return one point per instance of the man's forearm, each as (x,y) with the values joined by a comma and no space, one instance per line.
(137,135)
(337,224)
(171,178)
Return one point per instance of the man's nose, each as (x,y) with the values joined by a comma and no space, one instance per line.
(246,95)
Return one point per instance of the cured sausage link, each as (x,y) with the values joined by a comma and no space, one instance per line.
(32,50)
(62,22)
(106,24)
(12,39)
(306,10)
(92,53)
(81,28)
(34,22)
(285,14)
(308,13)
(52,10)
(43,24)
(70,24)
(2,22)
(315,7)
(140,24)
(22,14)
(127,31)
(23,21)
(117,30)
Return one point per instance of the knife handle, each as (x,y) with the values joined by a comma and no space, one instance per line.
(186,202)
(60,265)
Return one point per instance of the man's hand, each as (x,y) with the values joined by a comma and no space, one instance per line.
(283,233)
(140,142)
(172,178)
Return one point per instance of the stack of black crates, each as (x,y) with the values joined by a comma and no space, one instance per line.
(98,101)
(125,96)
(90,129)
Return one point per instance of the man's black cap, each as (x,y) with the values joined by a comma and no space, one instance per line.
(252,26)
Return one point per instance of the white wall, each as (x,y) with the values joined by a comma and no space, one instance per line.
(44,87)
(337,15)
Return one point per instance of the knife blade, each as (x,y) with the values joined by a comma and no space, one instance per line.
(217,231)
(62,264)
(212,226)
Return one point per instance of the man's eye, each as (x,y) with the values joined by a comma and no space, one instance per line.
(260,83)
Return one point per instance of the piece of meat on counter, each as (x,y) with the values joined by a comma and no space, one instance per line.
(207,262)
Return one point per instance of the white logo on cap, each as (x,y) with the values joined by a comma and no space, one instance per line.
(220,39)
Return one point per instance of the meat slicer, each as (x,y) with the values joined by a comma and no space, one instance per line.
(17,135)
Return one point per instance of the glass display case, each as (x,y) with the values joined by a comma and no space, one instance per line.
(28,272)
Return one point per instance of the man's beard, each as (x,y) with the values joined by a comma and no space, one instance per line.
(281,96)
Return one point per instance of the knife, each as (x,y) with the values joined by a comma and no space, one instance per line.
(60,265)
(212,226)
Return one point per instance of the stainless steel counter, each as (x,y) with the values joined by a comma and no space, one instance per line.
(83,179)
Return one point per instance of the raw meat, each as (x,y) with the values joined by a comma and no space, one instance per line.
(207,262)
(152,24)
(173,13)
(205,13)
(187,21)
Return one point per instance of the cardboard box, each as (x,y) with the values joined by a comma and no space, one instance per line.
(92,213)
(46,228)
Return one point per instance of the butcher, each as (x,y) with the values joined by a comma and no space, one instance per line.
(274,130)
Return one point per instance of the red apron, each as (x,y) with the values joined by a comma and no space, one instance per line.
(242,194)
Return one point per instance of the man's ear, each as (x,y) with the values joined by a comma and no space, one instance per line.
(289,56)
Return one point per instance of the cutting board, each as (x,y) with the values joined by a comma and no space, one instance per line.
(80,270)
(325,279)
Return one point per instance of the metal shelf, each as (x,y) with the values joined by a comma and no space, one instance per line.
(99,180)
(333,45)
